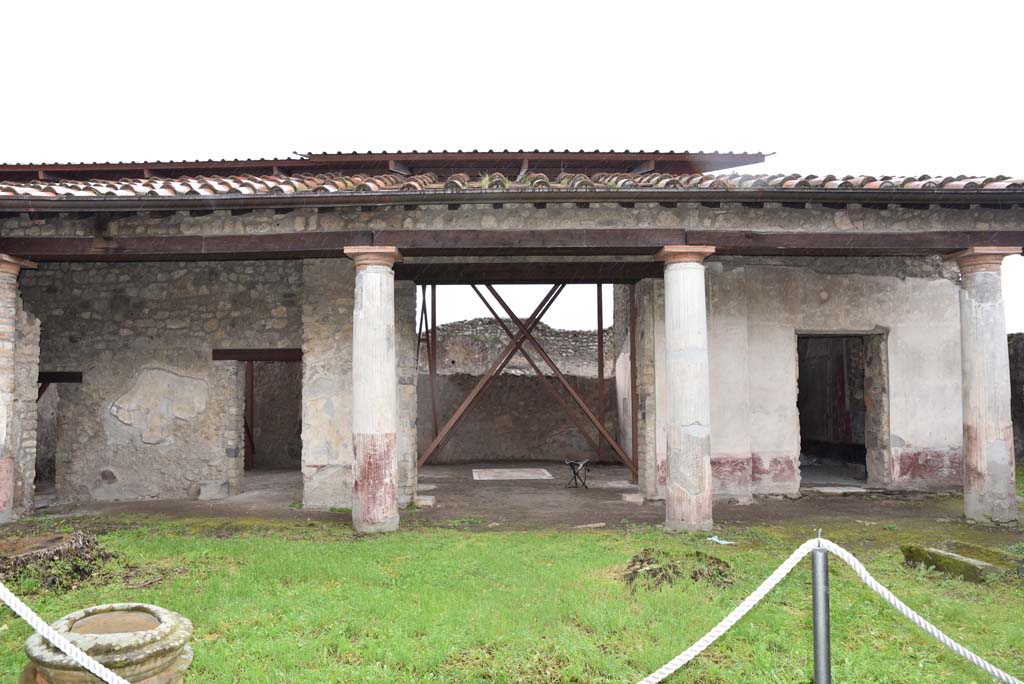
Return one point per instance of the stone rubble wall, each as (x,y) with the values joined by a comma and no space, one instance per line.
(469,347)
(516,420)
(327,384)
(1016,342)
(154,415)
(406,449)
(23,434)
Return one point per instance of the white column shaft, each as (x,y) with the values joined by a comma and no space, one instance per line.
(989,487)
(374,400)
(688,491)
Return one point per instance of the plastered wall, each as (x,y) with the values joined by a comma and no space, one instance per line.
(757,307)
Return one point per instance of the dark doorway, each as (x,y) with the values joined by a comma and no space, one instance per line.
(831,402)
(273,415)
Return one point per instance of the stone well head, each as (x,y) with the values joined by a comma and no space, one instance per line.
(140,642)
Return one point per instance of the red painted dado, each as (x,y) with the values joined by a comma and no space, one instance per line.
(775,469)
(375,486)
(930,468)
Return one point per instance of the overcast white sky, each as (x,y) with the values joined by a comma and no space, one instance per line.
(866,87)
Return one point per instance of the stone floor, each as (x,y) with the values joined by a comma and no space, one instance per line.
(537,503)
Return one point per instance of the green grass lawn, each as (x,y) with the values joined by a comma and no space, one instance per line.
(280,602)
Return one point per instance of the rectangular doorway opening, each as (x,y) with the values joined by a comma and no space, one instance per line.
(831,399)
(273,416)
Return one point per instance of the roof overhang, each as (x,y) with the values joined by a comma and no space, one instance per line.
(510,163)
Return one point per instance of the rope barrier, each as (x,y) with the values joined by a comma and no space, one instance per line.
(862,572)
(50,634)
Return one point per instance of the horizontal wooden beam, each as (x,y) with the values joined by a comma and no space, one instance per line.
(582,242)
(291,354)
(189,247)
(497,273)
(51,377)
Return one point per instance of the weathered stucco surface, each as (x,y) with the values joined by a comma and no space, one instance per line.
(327,383)
(25,414)
(757,307)
(327,447)
(553,216)
(154,415)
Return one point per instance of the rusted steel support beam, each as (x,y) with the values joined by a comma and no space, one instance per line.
(499,363)
(600,363)
(536,369)
(565,383)
(531,323)
(634,400)
(421,324)
(432,355)
(513,347)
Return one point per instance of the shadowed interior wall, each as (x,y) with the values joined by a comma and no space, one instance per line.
(277,390)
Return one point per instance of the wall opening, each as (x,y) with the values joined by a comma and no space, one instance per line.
(47,407)
(831,400)
(521,416)
(273,415)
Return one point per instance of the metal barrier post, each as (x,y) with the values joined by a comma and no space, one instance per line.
(822,638)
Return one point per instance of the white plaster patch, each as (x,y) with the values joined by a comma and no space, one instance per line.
(511,474)
(157,399)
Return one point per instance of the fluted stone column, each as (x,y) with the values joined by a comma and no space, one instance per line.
(990,492)
(688,490)
(10,267)
(374,390)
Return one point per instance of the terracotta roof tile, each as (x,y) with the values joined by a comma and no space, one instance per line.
(469,182)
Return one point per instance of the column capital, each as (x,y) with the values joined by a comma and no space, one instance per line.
(13,264)
(981,259)
(685,254)
(373,255)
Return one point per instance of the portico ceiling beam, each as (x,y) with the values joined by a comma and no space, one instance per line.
(575,242)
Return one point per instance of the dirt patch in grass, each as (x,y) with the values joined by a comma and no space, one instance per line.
(57,562)
(652,569)
(711,569)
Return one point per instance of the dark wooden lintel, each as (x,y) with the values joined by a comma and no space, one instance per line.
(257,354)
(456,243)
(51,377)
(462,273)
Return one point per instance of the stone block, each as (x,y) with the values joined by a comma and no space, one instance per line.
(327,487)
(211,490)
(953,564)
(633,497)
